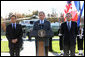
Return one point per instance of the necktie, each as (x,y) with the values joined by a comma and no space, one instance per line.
(69,25)
(13,26)
(41,26)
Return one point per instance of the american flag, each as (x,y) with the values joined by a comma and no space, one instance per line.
(68,2)
(68,8)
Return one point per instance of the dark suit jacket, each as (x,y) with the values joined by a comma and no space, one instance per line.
(12,34)
(69,36)
(46,26)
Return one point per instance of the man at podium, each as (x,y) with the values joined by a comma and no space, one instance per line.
(42,44)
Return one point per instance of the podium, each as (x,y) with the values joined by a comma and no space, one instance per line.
(41,35)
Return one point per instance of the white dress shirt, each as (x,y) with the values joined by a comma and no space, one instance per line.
(41,21)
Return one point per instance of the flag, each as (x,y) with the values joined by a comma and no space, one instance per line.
(74,15)
(77,5)
(82,9)
(78,21)
(68,2)
(68,7)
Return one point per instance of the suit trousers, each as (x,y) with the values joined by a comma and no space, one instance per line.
(68,48)
(80,43)
(50,44)
(15,51)
(61,42)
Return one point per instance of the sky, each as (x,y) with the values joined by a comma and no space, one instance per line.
(27,7)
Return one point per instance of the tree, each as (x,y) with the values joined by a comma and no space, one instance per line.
(48,15)
(35,12)
(19,15)
(10,14)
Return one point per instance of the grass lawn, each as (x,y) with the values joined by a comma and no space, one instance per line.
(4,46)
(3,37)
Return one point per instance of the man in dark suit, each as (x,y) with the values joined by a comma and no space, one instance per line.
(50,45)
(46,26)
(14,36)
(69,32)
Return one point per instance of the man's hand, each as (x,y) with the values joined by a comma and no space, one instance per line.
(14,40)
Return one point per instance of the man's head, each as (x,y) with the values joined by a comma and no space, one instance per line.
(41,15)
(13,18)
(68,17)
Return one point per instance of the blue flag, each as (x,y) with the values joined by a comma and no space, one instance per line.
(77,5)
(82,9)
(78,21)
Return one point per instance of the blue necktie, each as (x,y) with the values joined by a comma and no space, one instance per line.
(14,26)
(41,24)
(69,25)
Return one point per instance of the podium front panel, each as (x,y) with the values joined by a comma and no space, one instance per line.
(41,48)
